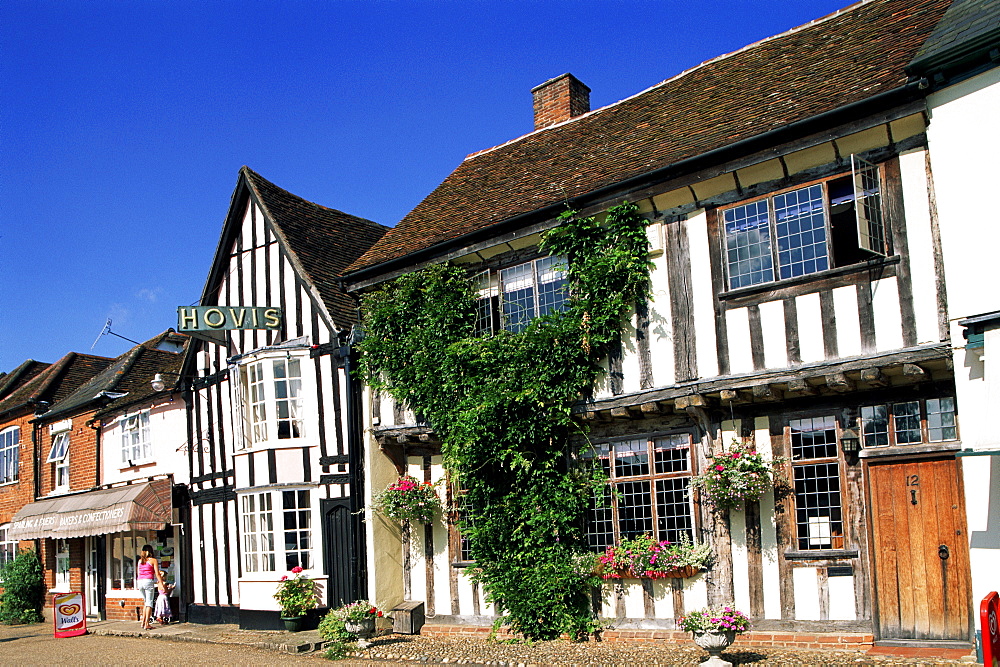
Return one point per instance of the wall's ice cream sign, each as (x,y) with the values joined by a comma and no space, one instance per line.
(68,615)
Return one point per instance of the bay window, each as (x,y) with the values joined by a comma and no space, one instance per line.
(273,395)
(277,530)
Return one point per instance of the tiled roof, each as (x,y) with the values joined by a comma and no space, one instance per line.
(130,374)
(325,241)
(21,375)
(965,26)
(844,58)
(56,382)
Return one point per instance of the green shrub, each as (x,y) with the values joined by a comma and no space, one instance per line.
(23,590)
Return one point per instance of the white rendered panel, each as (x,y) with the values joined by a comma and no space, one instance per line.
(738,334)
(810,327)
(806,584)
(635,607)
(695,593)
(466,594)
(768,530)
(845,305)
(630,356)
(661,341)
(663,599)
(842,605)
(772,325)
(888,319)
(740,558)
(702,295)
(919,242)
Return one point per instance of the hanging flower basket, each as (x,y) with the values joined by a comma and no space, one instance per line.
(407,499)
(737,476)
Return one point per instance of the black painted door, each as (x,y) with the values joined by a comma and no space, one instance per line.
(339,553)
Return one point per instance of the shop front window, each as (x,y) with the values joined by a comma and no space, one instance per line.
(124,551)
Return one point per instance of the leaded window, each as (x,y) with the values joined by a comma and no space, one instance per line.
(909,422)
(512,297)
(819,519)
(648,491)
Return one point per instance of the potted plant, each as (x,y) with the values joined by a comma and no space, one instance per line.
(358,620)
(296,595)
(407,499)
(643,557)
(714,630)
(739,475)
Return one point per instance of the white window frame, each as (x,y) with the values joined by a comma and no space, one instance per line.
(62,574)
(8,548)
(137,441)
(274,398)
(751,231)
(10,454)
(59,456)
(538,275)
(123,557)
(278,530)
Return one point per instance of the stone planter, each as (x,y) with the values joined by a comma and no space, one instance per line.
(293,623)
(363,630)
(715,643)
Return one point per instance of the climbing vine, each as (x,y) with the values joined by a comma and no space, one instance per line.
(501,406)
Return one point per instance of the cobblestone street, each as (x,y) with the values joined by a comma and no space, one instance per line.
(121,642)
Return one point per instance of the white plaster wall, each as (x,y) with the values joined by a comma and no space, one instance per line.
(920,244)
(888,318)
(630,357)
(702,295)
(845,305)
(768,529)
(168,433)
(806,585)
(663,599)
(810,327)
(842,605)
(661,341)
(738,335)
(964,139)
(772,324)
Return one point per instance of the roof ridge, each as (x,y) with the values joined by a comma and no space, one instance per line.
(253,176)
(677,76)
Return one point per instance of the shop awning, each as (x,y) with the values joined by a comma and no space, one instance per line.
(143,506)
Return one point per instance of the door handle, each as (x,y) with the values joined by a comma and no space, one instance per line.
(943,552)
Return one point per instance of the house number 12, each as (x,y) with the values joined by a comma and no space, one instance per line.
(913,480)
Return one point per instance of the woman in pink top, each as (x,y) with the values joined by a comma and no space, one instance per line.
(147,578)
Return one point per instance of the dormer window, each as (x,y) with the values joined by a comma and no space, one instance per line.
(512,297)
(836,222)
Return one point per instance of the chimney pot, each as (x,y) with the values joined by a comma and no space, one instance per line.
(559,99)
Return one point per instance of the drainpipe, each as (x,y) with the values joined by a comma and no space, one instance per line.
(356,458)
(96,427)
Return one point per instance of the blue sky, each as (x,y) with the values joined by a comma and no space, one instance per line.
(123,124)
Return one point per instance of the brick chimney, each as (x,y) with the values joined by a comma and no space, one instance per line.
(559,99)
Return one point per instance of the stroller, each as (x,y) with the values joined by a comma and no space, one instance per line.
(162,611)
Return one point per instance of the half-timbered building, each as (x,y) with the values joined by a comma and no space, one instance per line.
(275,470)
(799,303)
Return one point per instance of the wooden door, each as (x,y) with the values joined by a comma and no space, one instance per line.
(922,585)
(340,556)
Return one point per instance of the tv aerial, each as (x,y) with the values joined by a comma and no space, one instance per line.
(107,331)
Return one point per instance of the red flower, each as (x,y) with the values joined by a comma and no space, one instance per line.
(296,569)
(380,614)
(284,577)
(720,468)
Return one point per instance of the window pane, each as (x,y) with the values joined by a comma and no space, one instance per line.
(875,425)
(906,418)
(635,509)
(814,438)
(672,454)
(552,285)
(800,225)
(941,419)
(631,458)
(600,520)
(748,244)
(673,509)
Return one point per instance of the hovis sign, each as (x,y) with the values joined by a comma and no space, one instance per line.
(222,318)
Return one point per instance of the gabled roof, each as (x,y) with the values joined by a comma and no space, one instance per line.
(321,241)
(845,58)
(969,30)
(126,380)
(54,383)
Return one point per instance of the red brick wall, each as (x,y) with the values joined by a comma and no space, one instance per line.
(82,456)
(18,494)
(559,99)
